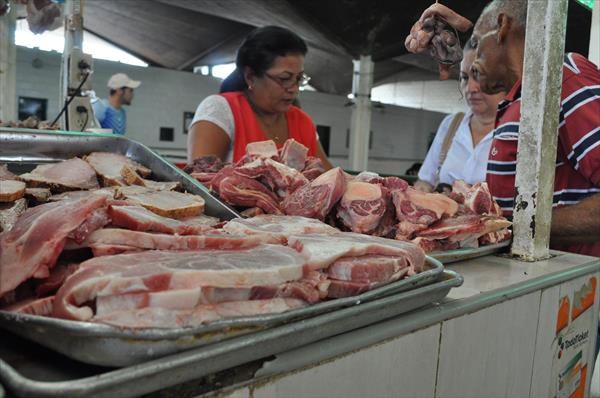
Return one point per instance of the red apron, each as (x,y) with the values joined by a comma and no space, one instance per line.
(247,130)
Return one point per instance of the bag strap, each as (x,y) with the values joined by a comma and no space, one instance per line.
(452,129)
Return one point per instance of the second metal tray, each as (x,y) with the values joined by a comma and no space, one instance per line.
(25,149)
(452,256)
(107,345)
(19,379)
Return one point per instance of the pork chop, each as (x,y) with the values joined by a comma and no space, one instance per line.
(69,174)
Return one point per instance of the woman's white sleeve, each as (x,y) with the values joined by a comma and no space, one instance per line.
(216,109)
(429,169)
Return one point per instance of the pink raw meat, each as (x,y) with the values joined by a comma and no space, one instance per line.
(293,154)
(278,227)
(153,271)
(315,200)
(321,251)
(34,306)
(138,218)
(362,206)
(152,317)
(33,245)
(282,179)
(155,241)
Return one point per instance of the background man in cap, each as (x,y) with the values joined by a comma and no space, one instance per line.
(110,112)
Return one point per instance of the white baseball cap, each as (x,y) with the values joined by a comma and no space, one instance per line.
(122,80)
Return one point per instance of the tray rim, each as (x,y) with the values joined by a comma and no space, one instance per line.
(452,256)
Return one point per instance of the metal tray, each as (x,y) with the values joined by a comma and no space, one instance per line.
(452,256)
(24,149)
(107,345)
(196,363)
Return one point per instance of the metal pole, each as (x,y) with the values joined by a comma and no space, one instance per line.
(360,123)
(536,158)
(73,38)
(594,53)
(8,66)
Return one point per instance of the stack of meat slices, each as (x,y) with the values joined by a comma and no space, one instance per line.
(184,272)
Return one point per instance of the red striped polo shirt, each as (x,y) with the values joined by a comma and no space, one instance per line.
(578,150)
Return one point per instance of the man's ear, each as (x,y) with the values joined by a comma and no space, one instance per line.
(504,24)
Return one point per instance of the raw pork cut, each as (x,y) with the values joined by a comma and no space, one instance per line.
(369,269)
(416,210)
(66,175)
(464,228)
(293,154)
(10,213)
(476,198)
(164,203)
(138,218)
(313,168)
(152,241)
(6,174)
(283,180)
(96,220)
(362,206)
(33,306)
(32,246)
(262,149)
(205,164)
(321,251)
(109,165)
(204,313)
(278,227)
(167,270)
(243,191)
(315,200)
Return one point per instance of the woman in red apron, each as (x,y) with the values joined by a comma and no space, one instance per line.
(256,102)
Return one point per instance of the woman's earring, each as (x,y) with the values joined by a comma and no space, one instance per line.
(250,88)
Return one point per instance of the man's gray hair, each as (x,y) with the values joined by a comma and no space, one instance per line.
(516,9)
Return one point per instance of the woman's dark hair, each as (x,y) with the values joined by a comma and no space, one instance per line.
(258,52)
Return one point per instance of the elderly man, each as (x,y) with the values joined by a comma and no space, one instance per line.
(499,36)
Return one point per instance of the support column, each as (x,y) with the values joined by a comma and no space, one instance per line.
(594,53)
(360,123)
(542,81)
(8,66)
(73,38)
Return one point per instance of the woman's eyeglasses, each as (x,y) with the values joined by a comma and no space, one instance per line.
(289,82)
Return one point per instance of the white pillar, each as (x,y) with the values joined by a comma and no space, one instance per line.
(542,82)
(594,54)
(8,66)
(360,123)
(73,28)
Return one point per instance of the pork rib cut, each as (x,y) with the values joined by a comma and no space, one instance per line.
(293,154)
(282,179)
(32,246)
(168,270)
(108,166)
(238,190)
(321,251)
(164,318)
(278,227)
(315,200)
(362,206)
(138,218)
(66,175)
(156,241)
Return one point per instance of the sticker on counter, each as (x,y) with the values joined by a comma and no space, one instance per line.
(572,344)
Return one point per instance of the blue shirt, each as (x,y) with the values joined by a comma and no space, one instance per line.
(109,117)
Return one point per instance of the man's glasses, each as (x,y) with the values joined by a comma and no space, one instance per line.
(289,82)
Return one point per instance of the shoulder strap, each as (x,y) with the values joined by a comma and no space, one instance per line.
(450,136)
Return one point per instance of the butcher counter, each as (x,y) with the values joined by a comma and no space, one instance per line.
(512,329)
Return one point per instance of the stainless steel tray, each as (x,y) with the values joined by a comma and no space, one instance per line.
(194,364)
(112,346)
(452,256)
(26,149)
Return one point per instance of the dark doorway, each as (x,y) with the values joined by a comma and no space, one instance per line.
(324,133)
